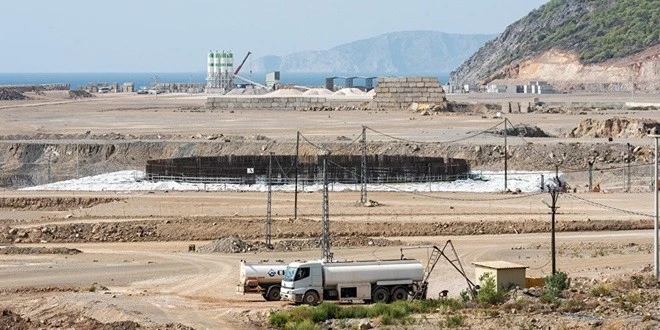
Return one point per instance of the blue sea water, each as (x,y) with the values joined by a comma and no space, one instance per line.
(76,80)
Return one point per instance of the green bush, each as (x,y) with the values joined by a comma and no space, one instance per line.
(556,283)
(488,293)
(306,324)
(278,319)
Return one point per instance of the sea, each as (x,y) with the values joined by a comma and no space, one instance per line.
(140,79)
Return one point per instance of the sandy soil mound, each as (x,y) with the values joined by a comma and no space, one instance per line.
(615,128)
(318,91)
(234,244)
(285,92)
(11,320)
(8,95)
(53,203)
(299,232)
(350,92)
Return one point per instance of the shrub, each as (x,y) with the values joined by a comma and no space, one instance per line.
(572,306)
(556,283)
(488,293)
(278,319)
(306,324)
(602,289)
(453,321)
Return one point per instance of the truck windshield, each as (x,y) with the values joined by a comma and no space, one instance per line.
(290,273)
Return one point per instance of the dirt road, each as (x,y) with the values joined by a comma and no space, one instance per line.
(158,282)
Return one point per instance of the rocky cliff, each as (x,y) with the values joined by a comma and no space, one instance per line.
(575,44)
(393,53)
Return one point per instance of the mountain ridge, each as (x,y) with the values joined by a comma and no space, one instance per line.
(402,52)
(598,36)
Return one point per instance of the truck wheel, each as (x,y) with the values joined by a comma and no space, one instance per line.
(380,294)
(399,294)
(311,298)
(273,294)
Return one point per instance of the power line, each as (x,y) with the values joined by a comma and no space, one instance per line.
(607,207)
(488,130)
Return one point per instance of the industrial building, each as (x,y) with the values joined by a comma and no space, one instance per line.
(220,71)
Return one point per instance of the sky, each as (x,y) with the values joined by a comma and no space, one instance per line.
(174,36)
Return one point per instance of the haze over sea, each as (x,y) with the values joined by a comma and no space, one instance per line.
(147,79)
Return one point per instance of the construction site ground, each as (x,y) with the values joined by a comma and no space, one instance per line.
(135,264)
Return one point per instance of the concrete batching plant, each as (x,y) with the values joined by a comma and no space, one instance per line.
(220,72)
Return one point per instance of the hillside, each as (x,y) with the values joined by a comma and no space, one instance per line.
(392,53)
(597,35)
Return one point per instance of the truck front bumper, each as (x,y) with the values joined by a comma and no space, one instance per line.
(288,294)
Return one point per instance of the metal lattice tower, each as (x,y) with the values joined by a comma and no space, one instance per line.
(268,209)
(325,239)
(363,187)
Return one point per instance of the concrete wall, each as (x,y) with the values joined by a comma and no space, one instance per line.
(401,92)
(281,103)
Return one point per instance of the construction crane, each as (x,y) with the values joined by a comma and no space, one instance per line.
(240,66)
(434,257)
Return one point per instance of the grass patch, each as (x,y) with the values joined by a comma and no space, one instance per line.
(602,289)
(454,321)
(302,317)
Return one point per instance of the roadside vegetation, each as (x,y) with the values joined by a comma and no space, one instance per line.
(560,296)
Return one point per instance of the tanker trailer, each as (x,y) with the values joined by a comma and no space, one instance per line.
(370,281)
(261,277)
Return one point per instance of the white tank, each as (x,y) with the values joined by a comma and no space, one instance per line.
(372,271)
(222,62)
(263,272)
(216,63)
(229,68)
(209,65)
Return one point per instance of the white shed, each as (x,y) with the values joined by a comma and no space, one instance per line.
(506,274)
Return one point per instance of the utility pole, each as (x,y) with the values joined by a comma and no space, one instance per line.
(49,163)
(591,169)
(295,194)
(506,153)
(656,257)
(429,177)
(325,240)
(554,194)
(363,190)
(77,160)
(268,207)
(628,147)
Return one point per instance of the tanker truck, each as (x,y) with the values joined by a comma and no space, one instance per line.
(370,281)
(261,277)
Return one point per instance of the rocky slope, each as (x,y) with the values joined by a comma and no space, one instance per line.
(589,45)
(392,53)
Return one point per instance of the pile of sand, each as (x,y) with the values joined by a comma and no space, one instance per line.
(318,91)
(285,92)
(615,128)
(249,90)
(350,92)
(371,92)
